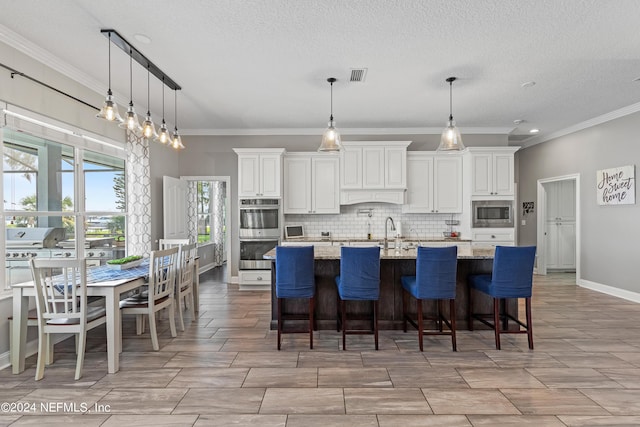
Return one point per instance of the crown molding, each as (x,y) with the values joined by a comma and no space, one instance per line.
(616,114)
(343,131)
(45,57)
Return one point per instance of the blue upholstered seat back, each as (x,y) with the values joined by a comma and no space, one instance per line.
(295,272)
(512,275)
(359,273)
(436,272)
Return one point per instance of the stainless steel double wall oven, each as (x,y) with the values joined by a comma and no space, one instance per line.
(260,230)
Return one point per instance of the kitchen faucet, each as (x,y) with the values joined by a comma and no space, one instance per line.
(393,228)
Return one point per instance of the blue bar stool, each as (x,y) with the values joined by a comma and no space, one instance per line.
(512,277)
(359,280)
(435,279)
(295,279)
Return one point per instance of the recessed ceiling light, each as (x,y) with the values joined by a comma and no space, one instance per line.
(142,38)
(528,84)
(534,130)
(518,121)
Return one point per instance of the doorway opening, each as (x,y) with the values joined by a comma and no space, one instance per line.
(558,225)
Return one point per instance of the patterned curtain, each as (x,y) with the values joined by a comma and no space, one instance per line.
(218,220)
(138,196)
(192,211)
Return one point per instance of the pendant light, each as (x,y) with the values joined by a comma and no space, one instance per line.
(163,136)
(331,136)
(148,128)
(131,122)
(451,139)
(176,141)
(109,110)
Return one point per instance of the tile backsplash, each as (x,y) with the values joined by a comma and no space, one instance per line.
(353,222)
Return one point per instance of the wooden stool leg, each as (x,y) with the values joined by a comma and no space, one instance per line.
(344,324)
(420,324)
(404,309)
(529,325)
(375,322)
(469,308)
(452,316)
(279,321)
(311,317)
(496,321)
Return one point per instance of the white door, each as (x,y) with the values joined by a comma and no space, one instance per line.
(248,175)
(482,174)
(419,184)
(503,174)
(175,208)
(351,168)
(447,188)
(270,173)
(395,167)
(373,167)
(297,185)
(325,182)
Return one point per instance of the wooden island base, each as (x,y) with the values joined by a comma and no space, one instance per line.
(390,304)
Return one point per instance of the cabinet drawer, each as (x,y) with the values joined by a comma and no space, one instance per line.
(254,277)
(492,235)
(492,244)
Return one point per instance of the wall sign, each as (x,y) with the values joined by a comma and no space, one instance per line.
(616,186)
(527,208)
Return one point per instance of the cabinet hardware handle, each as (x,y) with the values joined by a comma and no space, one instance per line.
(259,278)
(493,236)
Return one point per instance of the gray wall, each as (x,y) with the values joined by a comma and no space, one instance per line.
(610,234)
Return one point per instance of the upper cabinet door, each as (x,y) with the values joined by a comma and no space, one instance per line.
(351,168)
(482,174)
(249,175)
(297,185)
(325,184)
(395,167)
(419,184)
(503,174)
(373,167)
(270,175)
(447,184)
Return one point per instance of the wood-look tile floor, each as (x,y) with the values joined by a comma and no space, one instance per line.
(225,370)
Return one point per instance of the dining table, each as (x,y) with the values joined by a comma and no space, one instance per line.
(102,281)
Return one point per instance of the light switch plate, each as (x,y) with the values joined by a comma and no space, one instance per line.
(524,222)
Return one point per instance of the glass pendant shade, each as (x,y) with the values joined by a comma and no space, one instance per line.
(163,135)
(331,140)
(148,128)
(450,140)
(176,141)
(331,137)
(131,122)
(109,110)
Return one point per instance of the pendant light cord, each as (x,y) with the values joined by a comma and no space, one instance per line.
(451,100)
(109,41)
(148,86)
(131,77)
(331,117)
(162,100)
(175,109)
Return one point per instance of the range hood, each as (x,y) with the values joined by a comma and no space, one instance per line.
(352,197)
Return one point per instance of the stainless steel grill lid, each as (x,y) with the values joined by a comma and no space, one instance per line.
(34,237)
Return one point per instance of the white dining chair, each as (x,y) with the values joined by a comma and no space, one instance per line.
(61,304)
(171,243)
(184,282)
(163,266)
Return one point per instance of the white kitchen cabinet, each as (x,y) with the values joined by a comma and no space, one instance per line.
(492,171)
(371,165)
(306,243)
(493,237)
(259,172)
(311,184)
(434,183)
(561,245)
(254,278)
(561,200)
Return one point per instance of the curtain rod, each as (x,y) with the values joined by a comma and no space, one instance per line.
(15,72)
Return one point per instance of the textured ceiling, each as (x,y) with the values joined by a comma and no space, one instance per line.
(257,65)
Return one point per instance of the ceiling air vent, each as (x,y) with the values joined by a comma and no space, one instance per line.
(358,74)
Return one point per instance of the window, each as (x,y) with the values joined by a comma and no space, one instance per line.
(41,183)
(203,203)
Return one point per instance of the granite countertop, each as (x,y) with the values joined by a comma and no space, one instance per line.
(378,240)
(333,252)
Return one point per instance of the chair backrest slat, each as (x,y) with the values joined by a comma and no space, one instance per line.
(60,288)
(162,273)
(186,257)
(170,243)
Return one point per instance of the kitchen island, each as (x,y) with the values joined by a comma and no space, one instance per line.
(393,265)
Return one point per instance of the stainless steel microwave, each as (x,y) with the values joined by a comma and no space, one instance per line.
(492,213)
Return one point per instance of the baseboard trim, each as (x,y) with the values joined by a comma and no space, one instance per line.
(32,348)
(610,290)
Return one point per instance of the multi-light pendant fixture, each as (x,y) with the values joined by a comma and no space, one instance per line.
(147,130)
